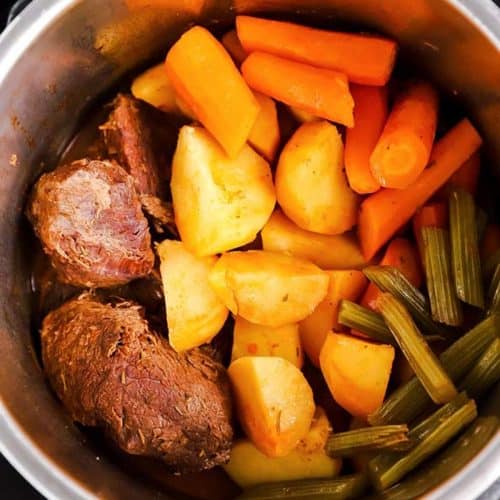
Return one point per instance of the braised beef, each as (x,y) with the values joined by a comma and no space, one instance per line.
(88,217)
(111,370)
(129,140)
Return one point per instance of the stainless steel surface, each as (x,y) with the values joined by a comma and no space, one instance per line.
(55,58)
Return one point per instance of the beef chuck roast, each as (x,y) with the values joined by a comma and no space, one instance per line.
(88,217)
(112,371)
(128,138)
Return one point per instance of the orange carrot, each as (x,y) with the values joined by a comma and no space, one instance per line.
(401,254)
(265,134)
(370,113)
(384,212)
(367,60)
(432,215)
(319,91)
(403,149)
(490,243)
(466,177)
(205,77)
(179,7)
(233,45)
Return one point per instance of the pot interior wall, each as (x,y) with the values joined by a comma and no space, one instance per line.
(73,52)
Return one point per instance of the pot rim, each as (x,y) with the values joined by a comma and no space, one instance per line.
(20,450)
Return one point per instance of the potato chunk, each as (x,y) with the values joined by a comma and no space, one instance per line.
(194,312)
(154,87)
(250,339)
(265,134)
(311,186)
(219,203)
(249,467)
(314,329)
(268,288)
(274,402)
(357,372)
(340,251)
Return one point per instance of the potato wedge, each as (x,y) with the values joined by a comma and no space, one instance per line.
(357,372)
(219,203)
(194,313)
(154,87)
(268,288)
(265,134)
(311,186)
(249,467)
(274,402)
(314,329)
(315,439)
(250,339)
(340,251)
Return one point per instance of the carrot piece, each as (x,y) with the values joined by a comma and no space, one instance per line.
(367,60)
(265,134)
(233,45)
(322,92)
(206,79)
(466,177)
(370,113)
(404,148)
(490,243)
(432,215)
(385,211)
(402,255)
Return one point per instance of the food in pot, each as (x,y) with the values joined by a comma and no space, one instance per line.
(378,260)
(112,370)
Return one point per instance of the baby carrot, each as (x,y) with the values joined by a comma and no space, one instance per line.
(232,44)
(206,79)
(367,60)
(319,91)
(370,113)
(403,149)
(385,211)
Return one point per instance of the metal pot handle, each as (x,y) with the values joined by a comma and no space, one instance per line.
(16,9)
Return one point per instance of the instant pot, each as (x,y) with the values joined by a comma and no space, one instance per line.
(56,58)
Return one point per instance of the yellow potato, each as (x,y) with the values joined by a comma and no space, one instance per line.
(357,372)
(265,134)
(340,251)
(250,339)
(274,402)
(315,439)
(268,288)
(219,203)
(154,87)
(249,467)
(311,186)
(314,329)
(194,312)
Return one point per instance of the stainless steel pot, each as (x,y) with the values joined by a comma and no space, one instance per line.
(55,58)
